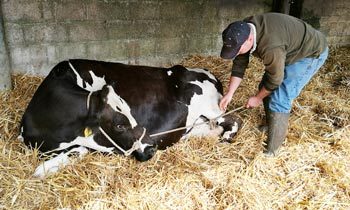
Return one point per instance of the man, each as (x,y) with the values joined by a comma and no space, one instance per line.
(292,52)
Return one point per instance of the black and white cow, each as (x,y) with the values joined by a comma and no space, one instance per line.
(113,107)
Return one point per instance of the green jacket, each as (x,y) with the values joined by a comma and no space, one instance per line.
(281,40)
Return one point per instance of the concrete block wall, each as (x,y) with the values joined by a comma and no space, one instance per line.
(331,17)
(40,33)
(5,80)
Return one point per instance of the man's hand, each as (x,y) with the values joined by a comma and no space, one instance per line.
(225,101)
(253,102)
(257,100)
(234,83)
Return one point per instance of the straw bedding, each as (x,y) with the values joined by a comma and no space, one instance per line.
(312,170)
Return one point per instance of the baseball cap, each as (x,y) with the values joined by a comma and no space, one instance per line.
(233,37)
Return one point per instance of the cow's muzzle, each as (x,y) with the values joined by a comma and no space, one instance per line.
(146,154)
(146,148)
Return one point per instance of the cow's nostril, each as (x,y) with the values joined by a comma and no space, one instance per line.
(152,150)
(147,154)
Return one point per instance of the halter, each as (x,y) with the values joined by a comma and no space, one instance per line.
(136,145)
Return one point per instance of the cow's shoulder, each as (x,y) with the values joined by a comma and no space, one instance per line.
(67,72)
(60,71)
(192,74)
(187,75)
(87,74)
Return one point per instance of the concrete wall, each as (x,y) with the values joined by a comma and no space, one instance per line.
(5,80)
(331,17)
(40,33)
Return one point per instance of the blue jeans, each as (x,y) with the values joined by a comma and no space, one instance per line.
(296,76)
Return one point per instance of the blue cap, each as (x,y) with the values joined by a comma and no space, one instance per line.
(233,37)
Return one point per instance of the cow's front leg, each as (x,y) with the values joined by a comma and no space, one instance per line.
(62,159)
(231,124)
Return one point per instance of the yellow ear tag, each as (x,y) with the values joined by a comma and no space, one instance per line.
(87,132)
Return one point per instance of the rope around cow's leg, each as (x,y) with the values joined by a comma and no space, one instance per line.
(211,122)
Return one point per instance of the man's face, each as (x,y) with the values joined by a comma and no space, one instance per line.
(246,46)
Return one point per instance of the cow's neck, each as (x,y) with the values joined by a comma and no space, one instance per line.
(93,104)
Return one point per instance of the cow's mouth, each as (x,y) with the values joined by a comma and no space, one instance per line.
(142,151)
(147,153)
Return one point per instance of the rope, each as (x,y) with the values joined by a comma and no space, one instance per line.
(211,121)
(88,100)
(137,144)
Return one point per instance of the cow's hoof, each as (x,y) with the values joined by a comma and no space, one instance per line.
(228,140)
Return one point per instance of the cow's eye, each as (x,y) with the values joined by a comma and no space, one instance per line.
(120,126)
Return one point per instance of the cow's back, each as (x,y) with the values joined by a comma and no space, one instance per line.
(142,84)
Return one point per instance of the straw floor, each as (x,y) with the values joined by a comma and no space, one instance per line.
(312,170)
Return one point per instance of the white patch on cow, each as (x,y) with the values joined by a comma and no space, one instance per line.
(88,142)
(176,86)
(220,120)
(203,71)
(97,82)
(114,100)
(143,146)
(233,130)
(216,131)
(53,165)
(20,137)
(204,130)
(205,103)
(169,73)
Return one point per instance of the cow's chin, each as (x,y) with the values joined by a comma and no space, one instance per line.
(147,153)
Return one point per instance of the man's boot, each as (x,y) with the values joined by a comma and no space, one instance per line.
(277,131)
(264,127)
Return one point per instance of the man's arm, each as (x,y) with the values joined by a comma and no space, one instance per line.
(274,62)
(239,65)
(234,83)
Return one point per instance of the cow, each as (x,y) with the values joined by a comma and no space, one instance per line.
(85,105)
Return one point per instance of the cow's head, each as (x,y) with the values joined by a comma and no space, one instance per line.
(120,129)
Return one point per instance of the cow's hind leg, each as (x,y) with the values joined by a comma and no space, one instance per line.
(231,124)
(59,160)
(203,128)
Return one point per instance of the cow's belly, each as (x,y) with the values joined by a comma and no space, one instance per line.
(202,106)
